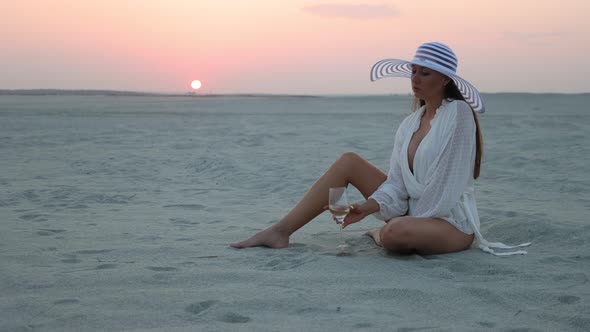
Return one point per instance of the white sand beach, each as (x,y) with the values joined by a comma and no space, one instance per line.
(116,214)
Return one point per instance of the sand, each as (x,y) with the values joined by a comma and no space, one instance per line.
(116,214)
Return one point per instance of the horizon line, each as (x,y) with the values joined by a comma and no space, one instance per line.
(107,92)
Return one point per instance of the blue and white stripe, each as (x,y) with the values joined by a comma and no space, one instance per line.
(436,56)
(439,54)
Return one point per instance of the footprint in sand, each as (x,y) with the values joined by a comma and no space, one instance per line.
(232,317)
(183,222)
(34,217)
(92,252)
(67,301)
(72,260)
(197,308)
(149,238)
(47,231)
(105,266)
(554,260)
(568,299)
(78,206)
(362,325)
(161,268)
(288,259)
(228,317)
(487,324)
(412,329)
(186,206)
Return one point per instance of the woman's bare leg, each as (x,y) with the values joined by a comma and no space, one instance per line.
(425,236)
(349,168)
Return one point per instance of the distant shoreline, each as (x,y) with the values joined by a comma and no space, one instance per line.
(60,92)
(63,92)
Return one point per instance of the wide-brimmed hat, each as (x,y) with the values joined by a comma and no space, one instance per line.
(436,56)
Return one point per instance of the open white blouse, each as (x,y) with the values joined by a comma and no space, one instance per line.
(441,185)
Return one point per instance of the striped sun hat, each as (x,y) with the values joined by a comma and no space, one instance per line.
(436,56)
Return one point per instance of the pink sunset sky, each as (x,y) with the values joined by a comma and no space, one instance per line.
(290,46)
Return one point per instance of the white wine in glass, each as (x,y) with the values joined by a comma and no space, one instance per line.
(339,207)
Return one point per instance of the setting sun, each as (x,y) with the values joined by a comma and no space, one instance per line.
(196,84)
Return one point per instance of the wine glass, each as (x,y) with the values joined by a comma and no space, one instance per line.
(339,207)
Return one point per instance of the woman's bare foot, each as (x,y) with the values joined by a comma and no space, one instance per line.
(269,237)
(375,234)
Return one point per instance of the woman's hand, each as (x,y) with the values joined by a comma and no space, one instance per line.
(359,211)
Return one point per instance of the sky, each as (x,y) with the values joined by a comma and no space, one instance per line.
(288,46)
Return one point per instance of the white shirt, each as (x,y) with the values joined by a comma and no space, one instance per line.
(441,185)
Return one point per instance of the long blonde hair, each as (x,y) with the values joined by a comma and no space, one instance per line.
(452,92)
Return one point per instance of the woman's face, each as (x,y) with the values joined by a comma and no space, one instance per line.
(427,83)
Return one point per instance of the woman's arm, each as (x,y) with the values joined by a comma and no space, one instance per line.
(391,198)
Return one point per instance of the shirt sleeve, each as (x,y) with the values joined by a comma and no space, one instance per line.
(392,195)
(452,171)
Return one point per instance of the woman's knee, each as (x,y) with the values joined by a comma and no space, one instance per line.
(346,163)
(349,158)
(397,235)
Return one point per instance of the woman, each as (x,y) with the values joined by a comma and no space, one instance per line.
(427,196)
